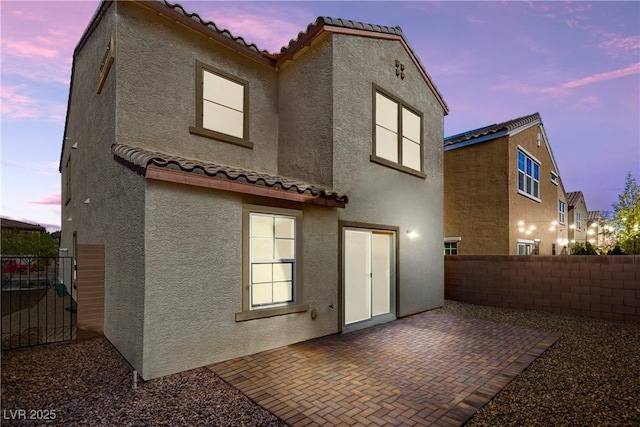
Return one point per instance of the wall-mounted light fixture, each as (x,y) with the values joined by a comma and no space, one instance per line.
(75,146)
(86,202)
(412,234)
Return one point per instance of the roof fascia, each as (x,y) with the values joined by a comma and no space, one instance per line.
(170,14)
(188,178)
(95,20)
(525,127)
(476,140)
(308,39)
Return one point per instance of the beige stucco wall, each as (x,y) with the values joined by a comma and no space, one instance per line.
(477,197)
(194,280)
(540,214)
(379,194)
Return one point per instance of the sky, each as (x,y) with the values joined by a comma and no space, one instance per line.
(576,63)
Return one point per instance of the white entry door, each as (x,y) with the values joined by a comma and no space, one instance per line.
(368,274)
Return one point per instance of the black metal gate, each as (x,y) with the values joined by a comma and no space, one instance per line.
(38,301)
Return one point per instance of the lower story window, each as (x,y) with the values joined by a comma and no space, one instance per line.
(451,248)
(272,259)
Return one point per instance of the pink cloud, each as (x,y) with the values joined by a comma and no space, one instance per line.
(617,46)
(18,104)
(27,49)
(564,88)
(609,75)
(48,200)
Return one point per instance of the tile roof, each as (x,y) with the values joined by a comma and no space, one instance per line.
(507,126)
(19,225)
(594,215)
(343,23)
(139,158)
(573,197)
(211,25)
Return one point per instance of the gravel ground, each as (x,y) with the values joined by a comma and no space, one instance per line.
(591,376)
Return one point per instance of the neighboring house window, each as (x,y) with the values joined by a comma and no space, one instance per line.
(451,248)
(525,248)
(528,176)
(554,178)
(561,212)
(578,221)
(397,134)
(271,279)
(221,106)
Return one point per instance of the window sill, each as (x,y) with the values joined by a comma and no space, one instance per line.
(270,312)
(207,133)
(529,196)
(396,166)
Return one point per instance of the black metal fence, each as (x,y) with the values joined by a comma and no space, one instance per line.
(38,301)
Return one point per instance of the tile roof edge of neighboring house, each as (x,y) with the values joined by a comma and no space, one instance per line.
(141,160)
(491,131)
(15,224)
(573,197)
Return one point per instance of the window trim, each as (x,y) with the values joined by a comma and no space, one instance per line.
(401,104)
(536,161)
(68,181)
(296,306)
(563,212)
(199,129)
(554,178)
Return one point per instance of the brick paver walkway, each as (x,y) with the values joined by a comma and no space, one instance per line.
(426,369)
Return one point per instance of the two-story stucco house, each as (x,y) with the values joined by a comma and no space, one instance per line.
(245,200)
(503,192)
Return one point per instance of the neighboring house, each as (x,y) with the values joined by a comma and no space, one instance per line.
(244,200)
(578,216)
(503,192)
(22,227)
(596,234)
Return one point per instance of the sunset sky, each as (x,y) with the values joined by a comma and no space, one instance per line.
(576,63)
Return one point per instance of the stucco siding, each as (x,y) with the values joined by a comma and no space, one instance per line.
(194,280)
(379,194)
(305,115)
(156,62)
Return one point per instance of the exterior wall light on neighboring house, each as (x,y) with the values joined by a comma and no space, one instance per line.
(412,234)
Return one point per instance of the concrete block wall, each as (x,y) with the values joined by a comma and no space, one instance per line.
(606,287)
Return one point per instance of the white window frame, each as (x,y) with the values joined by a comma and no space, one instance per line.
(451,241)
(562,206)
(529,246)
(396,128)
(578,220)
(228,107)
(530,184)
(554,178)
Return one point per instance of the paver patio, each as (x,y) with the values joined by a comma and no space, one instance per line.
(425,369)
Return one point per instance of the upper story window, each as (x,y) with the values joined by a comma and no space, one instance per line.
(561,212)
(554,178)
(528,176)
(397,134)
(222,106)
(578,221)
